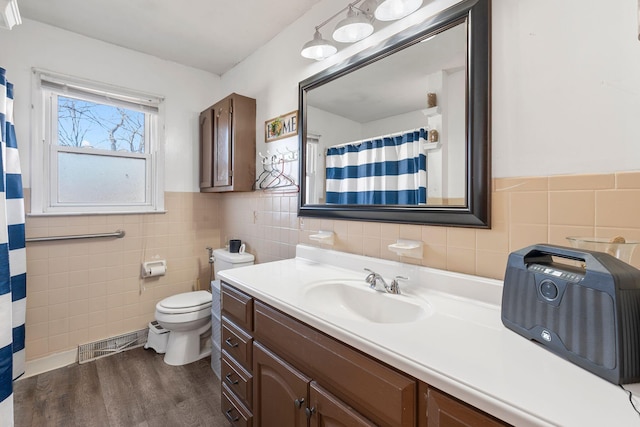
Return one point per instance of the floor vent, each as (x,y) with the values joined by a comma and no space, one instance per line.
(113,345)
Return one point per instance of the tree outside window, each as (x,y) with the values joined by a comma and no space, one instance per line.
(85,124)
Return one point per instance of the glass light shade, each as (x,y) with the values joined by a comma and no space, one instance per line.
(390,10)
(353,28)
(318,48)
(618,246)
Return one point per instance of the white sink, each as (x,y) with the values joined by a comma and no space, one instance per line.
(354,300)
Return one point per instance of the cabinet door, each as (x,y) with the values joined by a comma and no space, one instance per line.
(384,395)
(445,411)
(280,391)
(222,150)
(206,153)
(326,410)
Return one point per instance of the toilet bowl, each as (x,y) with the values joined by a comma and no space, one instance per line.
(187,317)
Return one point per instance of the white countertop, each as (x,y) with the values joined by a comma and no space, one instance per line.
(462,348)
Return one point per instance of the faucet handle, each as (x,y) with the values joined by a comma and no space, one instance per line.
(394,287)
(371,278)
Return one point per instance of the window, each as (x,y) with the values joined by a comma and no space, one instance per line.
(97,148)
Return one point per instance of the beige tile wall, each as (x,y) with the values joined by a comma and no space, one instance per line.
(84,290)
(524,211)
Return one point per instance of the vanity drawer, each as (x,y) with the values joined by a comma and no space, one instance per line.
(238,306)
(235,412)
(237,379)
(380,393)
(237,343)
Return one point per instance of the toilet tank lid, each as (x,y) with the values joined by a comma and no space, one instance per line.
(225,255)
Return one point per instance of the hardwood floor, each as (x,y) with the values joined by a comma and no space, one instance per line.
(133,388)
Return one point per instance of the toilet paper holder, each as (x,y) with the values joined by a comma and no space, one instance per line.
(153,268)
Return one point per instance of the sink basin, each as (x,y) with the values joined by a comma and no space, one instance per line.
(354,300)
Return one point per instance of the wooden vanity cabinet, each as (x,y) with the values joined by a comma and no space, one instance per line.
(438,409)
(278,371)
(237,356)
(285,396)
(377,393)
(228,145)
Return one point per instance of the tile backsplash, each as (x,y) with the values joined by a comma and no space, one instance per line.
(82,291)
(525,211)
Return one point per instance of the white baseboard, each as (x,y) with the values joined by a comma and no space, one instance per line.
(49,363)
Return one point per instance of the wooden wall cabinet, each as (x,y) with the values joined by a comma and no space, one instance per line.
(277,370)
(228,145)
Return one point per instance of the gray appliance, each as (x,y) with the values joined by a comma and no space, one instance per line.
(582,305)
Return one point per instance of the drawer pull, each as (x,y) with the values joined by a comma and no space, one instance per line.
(229,380)
(230,343)
(299,402)
(230,417)
(309,412)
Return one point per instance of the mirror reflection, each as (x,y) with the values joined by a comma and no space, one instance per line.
(392,132)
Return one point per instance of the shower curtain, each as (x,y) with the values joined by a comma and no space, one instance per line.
(386,170)
(13,277)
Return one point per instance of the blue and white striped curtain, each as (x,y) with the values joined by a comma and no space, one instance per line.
(13,264)
(388,170)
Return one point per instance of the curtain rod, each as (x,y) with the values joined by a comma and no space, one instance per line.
(391,135)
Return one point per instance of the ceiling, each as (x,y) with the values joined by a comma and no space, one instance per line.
(212,35)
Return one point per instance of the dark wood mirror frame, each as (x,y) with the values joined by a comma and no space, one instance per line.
(476,212)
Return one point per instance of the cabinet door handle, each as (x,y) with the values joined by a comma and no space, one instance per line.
(229,380)
(299,402)
(309,412)
(230,417)
(230,343)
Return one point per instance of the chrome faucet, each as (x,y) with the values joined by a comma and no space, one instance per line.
(373,278)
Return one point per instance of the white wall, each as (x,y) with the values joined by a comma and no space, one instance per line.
(187,91)
(565,82)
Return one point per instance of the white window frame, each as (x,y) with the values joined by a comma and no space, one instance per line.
(44,148)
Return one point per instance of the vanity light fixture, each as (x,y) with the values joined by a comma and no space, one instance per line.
(390,10)
(318,48)
(355,27)
(358,24)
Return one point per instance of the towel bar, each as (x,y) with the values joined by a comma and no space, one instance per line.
(118,233)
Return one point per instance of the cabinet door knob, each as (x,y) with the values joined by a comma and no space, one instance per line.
(230,343)
(309,412)
(230,417)
(299,402)
(229,380)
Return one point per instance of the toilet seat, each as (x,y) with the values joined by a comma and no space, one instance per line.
(187,302)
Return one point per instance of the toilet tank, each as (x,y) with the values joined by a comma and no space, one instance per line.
(224,260)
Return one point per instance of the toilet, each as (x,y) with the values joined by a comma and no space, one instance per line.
(187,316)
(224,260)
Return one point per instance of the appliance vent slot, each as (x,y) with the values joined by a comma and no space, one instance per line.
(630,309)
(108,346)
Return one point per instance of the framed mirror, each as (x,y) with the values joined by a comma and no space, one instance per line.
(400,132)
